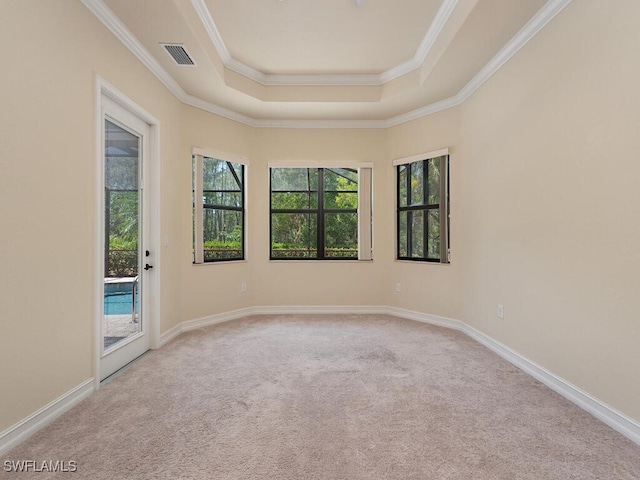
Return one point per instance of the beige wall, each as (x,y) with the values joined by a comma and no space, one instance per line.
(544,204)
(211,288)
(552,146)
(318,282)
(47,212)
(429,287)
(216,288)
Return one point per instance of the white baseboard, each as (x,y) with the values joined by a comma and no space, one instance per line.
(170,334)
(426,318)
(216,319)
(320,310)
(267,310)
(603,412)
(12,436)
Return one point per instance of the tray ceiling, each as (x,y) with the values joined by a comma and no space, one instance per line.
(332,63)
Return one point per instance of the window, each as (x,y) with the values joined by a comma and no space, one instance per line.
(423,207)
(218,208)
(321,213)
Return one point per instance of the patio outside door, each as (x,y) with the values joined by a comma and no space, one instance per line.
(127,260)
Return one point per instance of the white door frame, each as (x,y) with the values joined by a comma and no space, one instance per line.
(104,89)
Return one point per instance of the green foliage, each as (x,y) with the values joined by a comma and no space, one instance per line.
(295,234)
(222,188)
(122,215)
(218,244)
(123,218)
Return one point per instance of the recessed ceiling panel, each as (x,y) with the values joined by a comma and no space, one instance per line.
(322,36)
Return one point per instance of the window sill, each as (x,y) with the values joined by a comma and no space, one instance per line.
(221,262)
(421,262)
(316,261)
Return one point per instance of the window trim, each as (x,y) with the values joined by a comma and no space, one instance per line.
(198,207)
(443,205)
(364,210)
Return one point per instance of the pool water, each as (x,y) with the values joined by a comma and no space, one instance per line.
(119,303)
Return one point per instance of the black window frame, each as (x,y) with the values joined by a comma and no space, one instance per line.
(240,180)
(319,212)
(410,207)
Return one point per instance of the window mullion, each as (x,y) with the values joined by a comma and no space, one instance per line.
(243,240)
(409,214)
(425,215)
(398,211)
(320,219)
(235,175)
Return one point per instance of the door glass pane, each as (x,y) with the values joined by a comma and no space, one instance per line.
(122,219)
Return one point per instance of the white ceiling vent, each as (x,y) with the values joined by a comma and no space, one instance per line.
(178,53)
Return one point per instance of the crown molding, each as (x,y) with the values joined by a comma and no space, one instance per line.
(322,80)
(424,111)
(218,110)
(317,124)
(519,40)
(280,123)
(212,30)
(435,29)
(122,33)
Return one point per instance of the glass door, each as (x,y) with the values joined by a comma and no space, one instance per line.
(123,327)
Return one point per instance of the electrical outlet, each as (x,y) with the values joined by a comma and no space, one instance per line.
(398,287)
(243,287)
(500,311)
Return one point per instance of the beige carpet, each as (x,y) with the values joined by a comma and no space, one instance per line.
(328,397)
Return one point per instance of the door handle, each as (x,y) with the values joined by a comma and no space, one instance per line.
(147,266)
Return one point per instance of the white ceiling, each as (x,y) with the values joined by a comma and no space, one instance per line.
(322,37)
(325,63)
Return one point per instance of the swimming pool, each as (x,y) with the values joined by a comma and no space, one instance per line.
(119,303)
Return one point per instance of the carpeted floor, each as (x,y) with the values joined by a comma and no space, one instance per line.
(328,397)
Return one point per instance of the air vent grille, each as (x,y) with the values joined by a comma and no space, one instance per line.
(179,54)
